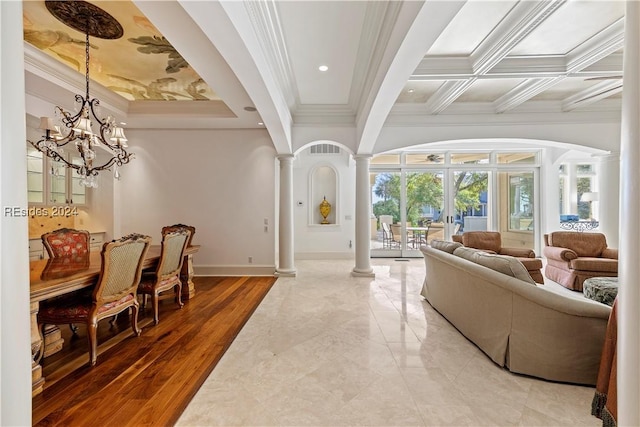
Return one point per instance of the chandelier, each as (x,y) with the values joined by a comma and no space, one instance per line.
(83,129)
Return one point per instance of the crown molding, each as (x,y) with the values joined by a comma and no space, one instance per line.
(523,92)
(447,93)
(379,21)
(595,93)
(477,113)
(597,47)
(265,20)
(55,72)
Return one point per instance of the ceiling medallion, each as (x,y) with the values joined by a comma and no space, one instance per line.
(76,128)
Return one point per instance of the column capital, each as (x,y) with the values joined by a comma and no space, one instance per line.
(285,156)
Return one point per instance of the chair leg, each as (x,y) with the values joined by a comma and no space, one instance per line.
(178,290)
(113,319)
(154,301)
(92,328)
(134,320)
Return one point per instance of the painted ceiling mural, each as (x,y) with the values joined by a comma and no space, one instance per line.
(141,65)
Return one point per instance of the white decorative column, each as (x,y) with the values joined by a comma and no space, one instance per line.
(286,266)
(363,217)
(628,353)
(608,214)
(16,362)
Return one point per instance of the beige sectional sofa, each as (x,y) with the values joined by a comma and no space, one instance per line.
(529,329)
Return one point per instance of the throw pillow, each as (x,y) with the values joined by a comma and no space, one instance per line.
(470,254)
(505,264)
(444,245)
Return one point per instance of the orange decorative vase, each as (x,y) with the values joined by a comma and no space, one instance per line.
(325,210)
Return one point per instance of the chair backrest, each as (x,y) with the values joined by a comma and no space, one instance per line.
(583,244)
(174,242)
(488,240)
(66,242)
(177,227)
(386,231)
(386,219)
(121,268)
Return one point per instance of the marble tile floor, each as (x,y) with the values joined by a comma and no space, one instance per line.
(328,349)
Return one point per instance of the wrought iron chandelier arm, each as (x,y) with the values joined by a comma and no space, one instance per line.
(42,146)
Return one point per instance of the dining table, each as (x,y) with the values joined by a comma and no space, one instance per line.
(56,277)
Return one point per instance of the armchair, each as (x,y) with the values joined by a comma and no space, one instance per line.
(574,257)
(491,241)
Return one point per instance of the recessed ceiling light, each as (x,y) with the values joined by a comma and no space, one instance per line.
(260,123)
(250,109)
(123,123)
(323,68)
(410,91)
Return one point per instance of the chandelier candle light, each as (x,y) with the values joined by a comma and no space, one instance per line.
(76,129)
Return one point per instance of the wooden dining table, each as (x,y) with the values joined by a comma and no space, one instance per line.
(51,278)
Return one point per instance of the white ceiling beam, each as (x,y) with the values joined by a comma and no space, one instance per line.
(593,50)
(230,30)
(418,27)
(446,94)
(523,92)
(597,47)
(521,21)
(266,20)
(595,93)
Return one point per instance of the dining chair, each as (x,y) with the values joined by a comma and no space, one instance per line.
(167,274)
(66,242)
(120,273)
(177,227)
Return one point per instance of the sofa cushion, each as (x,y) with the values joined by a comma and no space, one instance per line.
(444,245)
(595,264)
(505,264)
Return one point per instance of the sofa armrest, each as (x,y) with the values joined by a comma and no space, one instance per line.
(560,254)
(610,253)
(518,252)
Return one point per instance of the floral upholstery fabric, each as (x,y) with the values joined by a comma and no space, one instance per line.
(148,282)
(78,311)
(67,242)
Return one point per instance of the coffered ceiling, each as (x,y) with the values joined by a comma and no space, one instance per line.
(389,62)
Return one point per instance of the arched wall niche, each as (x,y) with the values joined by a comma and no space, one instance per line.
(324,183)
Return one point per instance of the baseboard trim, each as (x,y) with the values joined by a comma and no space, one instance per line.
(324,255)
(234,270)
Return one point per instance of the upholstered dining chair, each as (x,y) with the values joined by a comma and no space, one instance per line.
(178,227)
(167,273)
(66,242)
(120,273)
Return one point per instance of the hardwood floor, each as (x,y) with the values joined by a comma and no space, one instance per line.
(147,380)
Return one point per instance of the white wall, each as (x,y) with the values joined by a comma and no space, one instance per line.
(15,350)
(324,241)
(221,182)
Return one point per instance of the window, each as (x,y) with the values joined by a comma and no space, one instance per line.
(521,201)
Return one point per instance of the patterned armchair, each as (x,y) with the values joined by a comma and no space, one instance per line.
(573,257)
(115,291)
(167,274)
(66,242)
(492,241)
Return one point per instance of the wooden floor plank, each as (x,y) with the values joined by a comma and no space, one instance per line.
(151,378)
